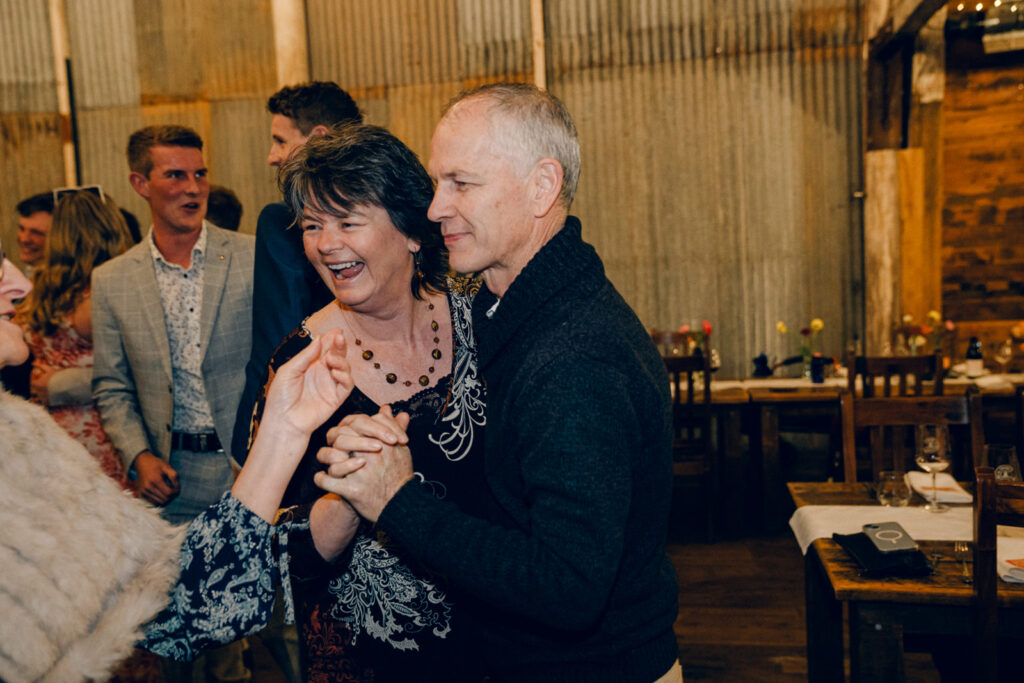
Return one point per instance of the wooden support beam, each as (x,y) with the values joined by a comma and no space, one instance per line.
(907,18)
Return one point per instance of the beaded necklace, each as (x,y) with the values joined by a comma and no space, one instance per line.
(392,378)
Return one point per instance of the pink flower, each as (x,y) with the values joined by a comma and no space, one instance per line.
(683,329)
(950,325)
(707,327)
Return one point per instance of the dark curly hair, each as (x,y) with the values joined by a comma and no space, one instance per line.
(362,165)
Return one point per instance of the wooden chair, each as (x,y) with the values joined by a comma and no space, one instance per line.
(693,457)
(994,503)
(1019,424)
(908,411)
(871,368)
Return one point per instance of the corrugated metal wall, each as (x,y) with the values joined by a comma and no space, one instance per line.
(30,128)
(133,63)
(721,149)
(721,139)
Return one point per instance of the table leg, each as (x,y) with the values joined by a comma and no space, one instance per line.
(876,645)
(732,472)
(771,468)
(824,624)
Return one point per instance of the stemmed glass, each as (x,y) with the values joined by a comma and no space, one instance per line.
(932,456)
(1004,354)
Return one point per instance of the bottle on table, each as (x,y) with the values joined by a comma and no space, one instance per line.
(975,361)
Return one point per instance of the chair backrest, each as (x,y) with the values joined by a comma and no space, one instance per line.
(907,411)
(887,368)
(691,399)
(1019,424)
(995,502)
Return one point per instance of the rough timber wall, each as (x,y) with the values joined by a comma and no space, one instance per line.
(983,216)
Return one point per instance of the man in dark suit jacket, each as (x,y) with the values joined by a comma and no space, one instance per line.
(286,289)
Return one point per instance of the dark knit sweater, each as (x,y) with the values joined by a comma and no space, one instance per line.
(566,566)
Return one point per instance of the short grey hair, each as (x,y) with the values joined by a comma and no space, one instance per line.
(543,126)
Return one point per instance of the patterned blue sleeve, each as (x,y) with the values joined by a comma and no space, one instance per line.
(231,564)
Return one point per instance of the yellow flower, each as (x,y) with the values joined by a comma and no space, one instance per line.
(920,340)
(907,319)
(781,327)
(934,316)
(817,324)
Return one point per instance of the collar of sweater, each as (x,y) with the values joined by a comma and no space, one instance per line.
(565,260)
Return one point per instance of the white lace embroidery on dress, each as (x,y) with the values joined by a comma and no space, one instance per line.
(379,596)
(466,408)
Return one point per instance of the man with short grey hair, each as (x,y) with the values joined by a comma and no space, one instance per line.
(559,556)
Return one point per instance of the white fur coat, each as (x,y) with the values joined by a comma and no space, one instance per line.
(82,563)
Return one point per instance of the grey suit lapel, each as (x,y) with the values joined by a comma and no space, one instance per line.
(215,276)
(152,305)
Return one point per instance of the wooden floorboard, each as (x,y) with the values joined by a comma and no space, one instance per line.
(741,612)
(741,615)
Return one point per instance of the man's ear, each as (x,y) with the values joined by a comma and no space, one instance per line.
(140,184)
(546,185)
(318,130)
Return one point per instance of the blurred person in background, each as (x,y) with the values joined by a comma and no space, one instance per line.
(87,230)
(34,217)
(223,208)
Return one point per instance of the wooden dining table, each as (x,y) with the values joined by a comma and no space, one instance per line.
(765,408)
(881,611)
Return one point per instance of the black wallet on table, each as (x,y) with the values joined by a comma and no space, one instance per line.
(874,563)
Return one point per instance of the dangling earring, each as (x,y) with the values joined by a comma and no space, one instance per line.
(417,259)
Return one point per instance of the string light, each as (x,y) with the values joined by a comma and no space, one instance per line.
(997,3)
(960,7)
(979,7)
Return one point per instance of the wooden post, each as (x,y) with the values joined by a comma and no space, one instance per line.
(61,54)
(291,42)
(540,78)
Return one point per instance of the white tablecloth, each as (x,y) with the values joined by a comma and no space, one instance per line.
(811,522)
(821,521)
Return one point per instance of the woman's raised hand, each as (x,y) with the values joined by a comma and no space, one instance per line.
(304,393)
(310,387)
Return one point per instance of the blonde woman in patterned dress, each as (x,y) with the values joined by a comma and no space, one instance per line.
(87,230)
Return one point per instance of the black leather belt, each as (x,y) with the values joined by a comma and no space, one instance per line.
(197,443)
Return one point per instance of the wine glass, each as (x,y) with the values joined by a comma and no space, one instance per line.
(1004,354)
(933,457)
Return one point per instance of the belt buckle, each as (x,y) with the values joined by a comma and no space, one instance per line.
(203,441)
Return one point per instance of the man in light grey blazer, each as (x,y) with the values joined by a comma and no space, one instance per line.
(172,324)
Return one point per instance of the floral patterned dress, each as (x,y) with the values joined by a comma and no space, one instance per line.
(372,615)
(65,348)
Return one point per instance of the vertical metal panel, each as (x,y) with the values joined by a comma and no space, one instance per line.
(103,136)
(236,154)
(207,65)
(721,148)
(104,61)
(403,59)
(30,127)
(27,76)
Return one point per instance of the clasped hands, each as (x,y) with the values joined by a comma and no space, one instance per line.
(368,460)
